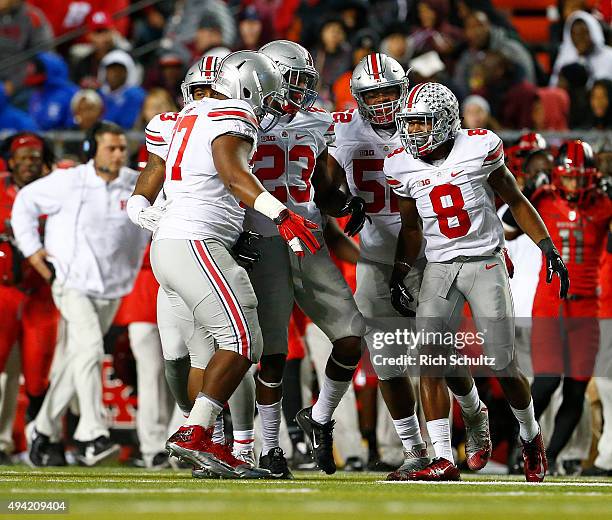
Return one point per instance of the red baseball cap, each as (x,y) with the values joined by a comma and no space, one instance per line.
(26,140)
(100,21)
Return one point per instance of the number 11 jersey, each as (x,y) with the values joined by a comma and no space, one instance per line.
(453,197)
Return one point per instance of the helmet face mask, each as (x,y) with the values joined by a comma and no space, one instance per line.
(383,112)
(374,74)
(437,109)
(300,85)
(300,78)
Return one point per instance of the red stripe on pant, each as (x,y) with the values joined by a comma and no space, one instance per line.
(227,297)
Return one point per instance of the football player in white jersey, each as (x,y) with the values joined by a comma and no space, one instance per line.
(178,331)
(291,163)
(448,177)
(363,139)
(207,177)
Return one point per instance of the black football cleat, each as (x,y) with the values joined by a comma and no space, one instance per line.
(321,438)
(276,463)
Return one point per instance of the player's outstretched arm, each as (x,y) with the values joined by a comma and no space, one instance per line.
(231,157)
(528,219)
(148,186)
(407,251)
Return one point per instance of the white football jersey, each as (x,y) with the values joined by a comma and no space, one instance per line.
(158,133)
(199,205)
(284,163)
(361,152)
(453,198)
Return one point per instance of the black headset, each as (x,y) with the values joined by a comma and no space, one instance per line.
(90,144)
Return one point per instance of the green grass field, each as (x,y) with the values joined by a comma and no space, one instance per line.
(118,494)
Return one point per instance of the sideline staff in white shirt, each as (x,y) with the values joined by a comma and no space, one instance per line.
(95,253)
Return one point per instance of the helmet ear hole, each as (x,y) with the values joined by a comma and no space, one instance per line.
(246,93)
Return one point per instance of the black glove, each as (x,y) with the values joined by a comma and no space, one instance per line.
(400,296)
(356,207)
(555,264)
(244,252)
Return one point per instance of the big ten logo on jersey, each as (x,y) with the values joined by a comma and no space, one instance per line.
(267,138)
(423,182)
(371,184)
(285,172)
(343,117)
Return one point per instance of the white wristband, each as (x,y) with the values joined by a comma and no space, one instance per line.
(135,204)
(268,205)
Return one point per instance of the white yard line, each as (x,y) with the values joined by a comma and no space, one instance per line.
(137,491)
(502,483)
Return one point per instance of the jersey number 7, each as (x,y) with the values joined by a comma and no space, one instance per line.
(184,123)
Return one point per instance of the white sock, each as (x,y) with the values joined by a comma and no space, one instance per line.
(270,425)
(440,435)
(218,433)
(329,397)
(243,439)
(528,426)
(470,404)
(204,412)
(408,431)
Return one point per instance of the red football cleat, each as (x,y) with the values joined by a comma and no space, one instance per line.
(193,444)
(440,470)
(478,439)
(534,457)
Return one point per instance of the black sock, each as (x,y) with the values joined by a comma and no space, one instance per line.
(292,398)
(34,406)
(370,437)
(542,389)
(568,416)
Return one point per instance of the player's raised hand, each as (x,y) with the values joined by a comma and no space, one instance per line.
(356,208)
(295,230)
(555,264)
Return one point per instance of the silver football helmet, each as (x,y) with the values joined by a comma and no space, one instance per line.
(254,78)
(378,71)
(300,76)
(202,72)
(434,104)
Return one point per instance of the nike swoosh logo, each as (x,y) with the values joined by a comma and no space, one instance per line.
(298,137)
(541,474)
(314,442)
(454,174)
(490,266)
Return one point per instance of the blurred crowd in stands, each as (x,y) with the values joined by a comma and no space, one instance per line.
(124,61)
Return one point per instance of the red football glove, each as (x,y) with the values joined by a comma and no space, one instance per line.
(295,230)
